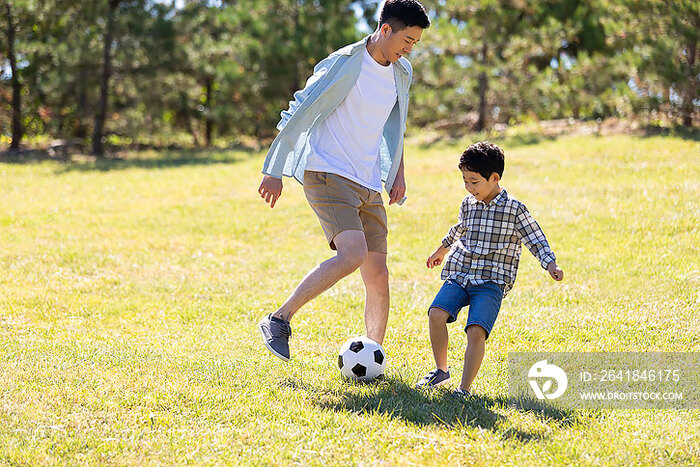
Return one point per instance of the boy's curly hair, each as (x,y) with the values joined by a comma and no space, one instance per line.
(484,158)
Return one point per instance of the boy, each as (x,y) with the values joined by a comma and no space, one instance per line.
(341,137)
(483,261)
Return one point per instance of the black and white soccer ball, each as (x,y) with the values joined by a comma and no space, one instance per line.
(361,358)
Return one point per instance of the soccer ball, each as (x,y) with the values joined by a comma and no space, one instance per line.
(361,358)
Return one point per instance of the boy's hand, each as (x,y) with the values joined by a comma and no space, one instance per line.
(554,271)
(270,189)
(436,258)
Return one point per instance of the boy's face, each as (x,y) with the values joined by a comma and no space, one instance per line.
(395,44)
(482,189)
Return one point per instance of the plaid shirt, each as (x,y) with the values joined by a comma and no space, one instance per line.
(485,244)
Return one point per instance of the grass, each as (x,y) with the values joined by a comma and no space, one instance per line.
(129,291)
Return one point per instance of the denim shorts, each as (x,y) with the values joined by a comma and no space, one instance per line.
(484,302)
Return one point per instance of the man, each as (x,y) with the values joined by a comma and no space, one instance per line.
(341,137)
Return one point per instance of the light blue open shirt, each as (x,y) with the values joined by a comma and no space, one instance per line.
(325,90)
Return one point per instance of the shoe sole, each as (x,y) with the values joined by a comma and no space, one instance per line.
(269,347)
(431,386)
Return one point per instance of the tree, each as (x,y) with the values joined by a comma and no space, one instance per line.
(665,35)
(11,28)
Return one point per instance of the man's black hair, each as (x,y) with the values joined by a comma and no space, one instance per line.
(484,158)
(400,14)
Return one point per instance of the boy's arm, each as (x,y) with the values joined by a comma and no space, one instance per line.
(456,230)
(435,259)
(531,234)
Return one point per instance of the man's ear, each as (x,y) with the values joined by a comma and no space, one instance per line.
(385,30)
(494,178)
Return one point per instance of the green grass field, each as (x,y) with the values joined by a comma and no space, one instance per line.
(130,290)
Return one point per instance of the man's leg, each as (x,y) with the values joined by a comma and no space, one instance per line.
(275,327)
(375,275)
(352,252)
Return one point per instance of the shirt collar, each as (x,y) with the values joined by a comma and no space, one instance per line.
(355,48)
(499,199)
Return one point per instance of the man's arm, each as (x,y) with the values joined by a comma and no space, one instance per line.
(398,189)
(300,96)
(270,189)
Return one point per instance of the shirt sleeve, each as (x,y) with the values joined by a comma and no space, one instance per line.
(533,237)
(300,96)
(456,230)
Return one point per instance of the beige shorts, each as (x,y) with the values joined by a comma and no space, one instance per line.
(342,204)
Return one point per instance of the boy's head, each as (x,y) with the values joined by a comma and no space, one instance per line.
(482,168)
(401,24)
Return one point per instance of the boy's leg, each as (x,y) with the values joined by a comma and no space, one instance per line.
(473,356)
(485,303)
(375,276)
(351,253)
(439,337)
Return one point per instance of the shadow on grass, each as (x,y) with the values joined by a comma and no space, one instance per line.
(144,159)
(395,398)
(690,134)
(505,140)
(158,159)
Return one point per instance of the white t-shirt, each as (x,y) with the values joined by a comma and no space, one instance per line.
(347,142)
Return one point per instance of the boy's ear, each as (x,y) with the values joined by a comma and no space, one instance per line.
(495,178)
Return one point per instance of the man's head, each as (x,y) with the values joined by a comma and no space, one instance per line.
(482,168)
(401,24)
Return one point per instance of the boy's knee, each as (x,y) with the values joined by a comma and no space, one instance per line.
(476,333)
(438,315)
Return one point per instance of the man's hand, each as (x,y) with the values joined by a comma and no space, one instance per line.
(554,271)
(270,189)
(398,190)
(435,259)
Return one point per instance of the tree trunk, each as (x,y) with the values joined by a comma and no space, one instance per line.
(691,85)
(97,148)
(16,85)
(208,123)
(483,88)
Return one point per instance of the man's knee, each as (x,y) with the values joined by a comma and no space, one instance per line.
(374,269)
(352,249)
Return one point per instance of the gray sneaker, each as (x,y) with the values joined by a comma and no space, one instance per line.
(276,333)
(434,379)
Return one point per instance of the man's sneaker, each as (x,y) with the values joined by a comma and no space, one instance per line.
(461,393)
(276,333)
(434,379)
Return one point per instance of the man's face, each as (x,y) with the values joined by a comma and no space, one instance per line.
(396,44)
(482,189)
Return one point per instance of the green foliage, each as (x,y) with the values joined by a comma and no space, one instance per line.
(220,69)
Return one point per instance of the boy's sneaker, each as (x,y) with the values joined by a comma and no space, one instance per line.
(434,379)
(276,333)
(461,393)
